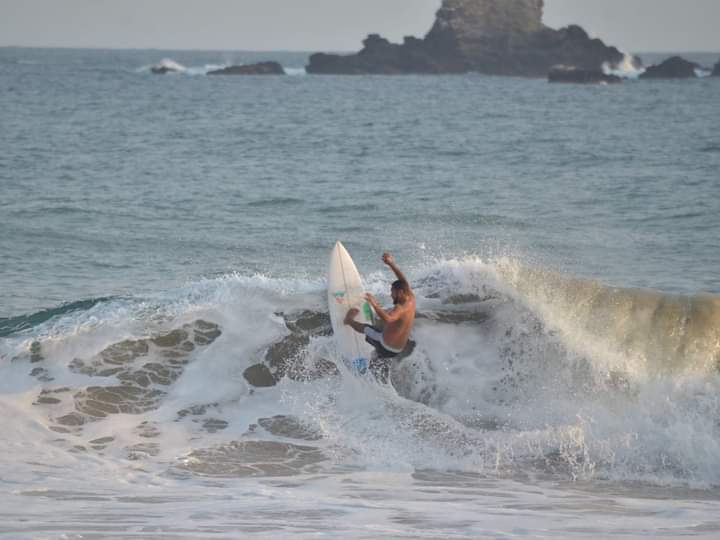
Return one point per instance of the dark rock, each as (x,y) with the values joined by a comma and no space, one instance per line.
(244,459)
(674,67)
(380,57)
(499,37)
(162,70)
(312,322)
(167,66)
(291,427)
(716,70)
(571,74)
(142,369)
(285,351)
(288,356)
(36,352)
(259,376)
(213,425)
(261,68)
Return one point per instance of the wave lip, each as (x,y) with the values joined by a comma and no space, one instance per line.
(645,332)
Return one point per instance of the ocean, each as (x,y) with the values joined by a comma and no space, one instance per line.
(167,368)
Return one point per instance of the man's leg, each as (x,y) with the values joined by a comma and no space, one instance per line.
(350,321)
(380,360)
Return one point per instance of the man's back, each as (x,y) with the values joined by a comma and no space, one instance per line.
(397,333)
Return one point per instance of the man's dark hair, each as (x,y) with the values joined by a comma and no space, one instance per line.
(401,285)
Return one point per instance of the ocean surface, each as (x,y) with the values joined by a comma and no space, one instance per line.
(164,243)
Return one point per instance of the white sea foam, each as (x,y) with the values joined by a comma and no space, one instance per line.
(507,380)
(295,71)
(175,67)
(627,68)
(532,366)
(172,65)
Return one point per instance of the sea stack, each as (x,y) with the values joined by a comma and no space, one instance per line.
(716,70)
(674,67)
(261,68)
(497,37)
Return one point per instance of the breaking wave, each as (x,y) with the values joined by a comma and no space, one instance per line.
(629,67)
(516,371)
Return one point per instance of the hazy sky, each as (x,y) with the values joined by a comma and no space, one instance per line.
(632,25)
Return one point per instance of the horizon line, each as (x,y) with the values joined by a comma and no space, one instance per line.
(307,51)
(178,49)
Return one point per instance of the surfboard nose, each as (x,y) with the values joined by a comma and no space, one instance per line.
(340,249)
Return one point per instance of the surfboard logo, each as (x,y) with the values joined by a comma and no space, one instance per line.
(367,310)
(339,297)
(359,365)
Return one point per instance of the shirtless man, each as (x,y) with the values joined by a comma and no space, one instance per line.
(394,338)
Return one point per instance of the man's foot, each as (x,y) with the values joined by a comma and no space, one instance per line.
(350,317)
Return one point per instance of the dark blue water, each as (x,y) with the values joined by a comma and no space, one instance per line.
(118,182)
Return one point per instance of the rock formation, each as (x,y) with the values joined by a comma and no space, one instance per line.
(674,67)
(162,70)
(167,66)
(571,74)
(500,37)
(716,70)
(261,68)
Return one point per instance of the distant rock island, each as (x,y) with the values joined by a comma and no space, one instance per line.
(716,70)
(674,67)
(496,37)
(167,66)
(261,68)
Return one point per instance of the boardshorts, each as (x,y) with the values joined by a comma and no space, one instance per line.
(375,338)
(380,365)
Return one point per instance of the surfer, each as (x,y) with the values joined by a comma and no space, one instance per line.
(394,339)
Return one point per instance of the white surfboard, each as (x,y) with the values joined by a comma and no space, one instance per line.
(345,291)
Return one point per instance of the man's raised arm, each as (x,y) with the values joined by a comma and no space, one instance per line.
(390,261)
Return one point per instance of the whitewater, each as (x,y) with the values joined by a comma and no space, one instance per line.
(167,367)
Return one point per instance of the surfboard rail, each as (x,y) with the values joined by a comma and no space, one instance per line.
(346,291)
